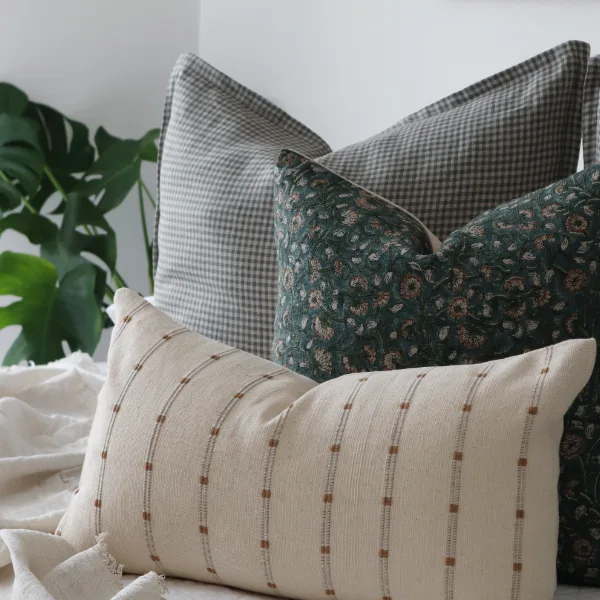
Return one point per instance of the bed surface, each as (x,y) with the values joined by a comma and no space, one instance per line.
(180,589)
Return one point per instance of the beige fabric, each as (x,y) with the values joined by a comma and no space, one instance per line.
(434,483)
(47,567)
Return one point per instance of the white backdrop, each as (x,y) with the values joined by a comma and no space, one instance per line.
(349,68)
(346,68)
(103,62)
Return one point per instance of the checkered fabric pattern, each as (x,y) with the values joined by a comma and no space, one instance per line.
(215,254)
(591,110)
(503,137)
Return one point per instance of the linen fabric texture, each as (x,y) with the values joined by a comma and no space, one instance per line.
(208,463)
(215,267)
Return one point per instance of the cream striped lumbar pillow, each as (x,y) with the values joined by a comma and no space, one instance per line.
(208,463)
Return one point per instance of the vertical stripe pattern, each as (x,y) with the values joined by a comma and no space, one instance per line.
(327,498)
(205,470)
(265,547)
(388,485)
(113,416)
(455,481)
(148,464)
(530,416)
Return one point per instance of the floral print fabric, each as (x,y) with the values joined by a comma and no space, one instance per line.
(361,290)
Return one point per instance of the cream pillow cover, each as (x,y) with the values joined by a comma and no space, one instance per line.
(208,463)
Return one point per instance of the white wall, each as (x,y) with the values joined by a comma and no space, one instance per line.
(103,62)
(349,68)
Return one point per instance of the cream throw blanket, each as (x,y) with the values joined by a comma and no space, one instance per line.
(45,417)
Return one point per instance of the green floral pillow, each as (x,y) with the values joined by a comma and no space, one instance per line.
(361,289)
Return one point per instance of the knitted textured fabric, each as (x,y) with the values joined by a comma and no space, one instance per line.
(208,463)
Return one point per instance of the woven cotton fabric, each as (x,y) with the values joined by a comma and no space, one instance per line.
(215,263)
(591,112)
(208,463)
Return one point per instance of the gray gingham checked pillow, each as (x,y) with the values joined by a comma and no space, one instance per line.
(591,113)
(215,264)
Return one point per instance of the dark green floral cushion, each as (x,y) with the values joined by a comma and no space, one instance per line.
(361,290)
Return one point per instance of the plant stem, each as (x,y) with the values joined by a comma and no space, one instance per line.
(23,199)
(110,293)
(152,201)
(120,282)
(147,245)
(55,182)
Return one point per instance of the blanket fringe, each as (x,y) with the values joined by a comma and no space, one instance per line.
(110,562)
(160,582)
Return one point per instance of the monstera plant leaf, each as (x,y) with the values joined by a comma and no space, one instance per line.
(48,313)
(65,249)
(21,160)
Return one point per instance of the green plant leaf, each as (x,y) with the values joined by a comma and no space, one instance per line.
(47,314)
(65,142)
(47,189)
(12,100)
(65,250)
(148,149)
(103,140)
(113,175)
(21,160)
(37,229)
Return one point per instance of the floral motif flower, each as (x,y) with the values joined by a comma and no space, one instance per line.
(575,280)
(323,360)
(338,265)
(296,223)
(314,231)
(359,281)
(315,299)
(321,329)
(406,328)
(571,445)
(527,226)
(469,339)
(515,310)
(549,212)
(570,323)
(487,271)
(360,309)
(514,284)
(366,203)
(411,286)
(314,266)
(541,297)
(540,241)
(577,224)
(348,365)
(288,279)
(474,230)
(370,353)
(582,548)
(457,279)
(458,308)
(381,299)
(392,360)
(350,217)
